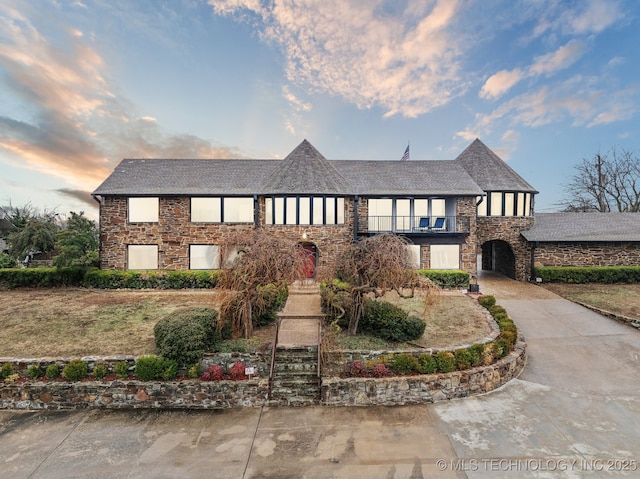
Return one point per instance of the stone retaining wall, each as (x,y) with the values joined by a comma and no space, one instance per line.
(421,389)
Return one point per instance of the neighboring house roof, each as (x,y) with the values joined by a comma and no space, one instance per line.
(303,171)
(489,171)
(5,222)
(588,227)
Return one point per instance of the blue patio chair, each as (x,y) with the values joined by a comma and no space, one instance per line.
(439,224)
(423,224)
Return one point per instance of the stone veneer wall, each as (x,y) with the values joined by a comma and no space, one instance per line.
(195,394)
(507,229)
(587,254)
(466,207)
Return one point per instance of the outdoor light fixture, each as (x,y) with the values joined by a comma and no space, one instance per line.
(304,236)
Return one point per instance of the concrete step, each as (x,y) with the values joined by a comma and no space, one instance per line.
(295,368)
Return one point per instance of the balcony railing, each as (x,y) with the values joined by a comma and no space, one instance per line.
(414,224)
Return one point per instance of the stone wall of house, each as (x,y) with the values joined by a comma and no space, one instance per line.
(507,229)
(466,207)
(587,254)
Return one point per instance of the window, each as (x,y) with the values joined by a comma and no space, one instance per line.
(304,210)
(445,256)
(520,204)
(527,204)
(204,256)
(142,257)
(414,255)
(438,207)
(482,206)
(403,215)
(237,210)
(509,204)
(206,210)
(144,210)
(380,214)
(496,203)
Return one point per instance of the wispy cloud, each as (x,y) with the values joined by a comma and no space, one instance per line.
(81,195)
(404,60)
(75,124)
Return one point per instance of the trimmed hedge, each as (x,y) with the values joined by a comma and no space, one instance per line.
(387,321)
(591,274)
(448,279)
(106,279)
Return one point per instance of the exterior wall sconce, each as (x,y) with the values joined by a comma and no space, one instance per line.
(304,236)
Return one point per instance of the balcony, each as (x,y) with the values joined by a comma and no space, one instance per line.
(415,225)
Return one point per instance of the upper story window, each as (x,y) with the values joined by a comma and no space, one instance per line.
(505,203)
(403,214)
(304,210)
(226,209)
(144,210)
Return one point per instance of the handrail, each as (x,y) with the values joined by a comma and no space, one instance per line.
(430,224)
(273,356)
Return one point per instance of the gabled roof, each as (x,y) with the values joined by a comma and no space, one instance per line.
(305,171)
(5,221)
(588,227)
(489,171)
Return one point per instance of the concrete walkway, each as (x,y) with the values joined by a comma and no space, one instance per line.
(301,316)
(573,413)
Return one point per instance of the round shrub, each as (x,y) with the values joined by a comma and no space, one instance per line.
(6,261)
(380,371)
(445,361)
(75,370)
(147,368)
(476,351)
(100,371)
(186,335)
(237,371)
(34,371)
(501,349)
(487,301)
(6,370)
(357,370)
(52,371)
(463,359)
(389,322)
(122,370)
(194,371)
(406,363)
(428,363)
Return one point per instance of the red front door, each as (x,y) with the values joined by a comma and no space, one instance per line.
(309,260)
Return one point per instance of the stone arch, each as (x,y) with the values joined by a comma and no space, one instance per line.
(498,256)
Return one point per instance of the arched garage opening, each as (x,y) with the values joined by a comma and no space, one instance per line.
(498,256)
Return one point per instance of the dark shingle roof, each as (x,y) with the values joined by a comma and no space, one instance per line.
(5,221)
(305,170)
(489,171)
(438,178)
(584,227)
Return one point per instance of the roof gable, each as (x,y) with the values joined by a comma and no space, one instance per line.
(305,171)
(489,171)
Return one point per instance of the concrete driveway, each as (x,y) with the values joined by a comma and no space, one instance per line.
(573,413)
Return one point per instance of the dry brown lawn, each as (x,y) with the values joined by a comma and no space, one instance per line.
(92,322)
(621,299)
(84,322)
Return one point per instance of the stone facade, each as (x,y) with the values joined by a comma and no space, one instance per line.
(587,254)
(505,231)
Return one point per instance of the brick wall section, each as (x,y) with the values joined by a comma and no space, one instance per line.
(507,229)
(587,254)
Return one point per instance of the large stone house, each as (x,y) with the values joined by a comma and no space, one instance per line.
(173,214)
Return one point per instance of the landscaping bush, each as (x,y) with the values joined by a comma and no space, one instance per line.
(100,371)
(487,301)
(122,370)
(406,363)
(116,279)
(41,277)
(7,261)
(194,371)
(149,368)
(476,351)
(185,335)
(75,370)
(357,370)
(34,372)
(389,322)
(237,371)
(456,279)
(273,297)
(445,361)
(428,363)
(6,371)
(463,359)
(590,274)
(213,373)
(52,371)
(380,371)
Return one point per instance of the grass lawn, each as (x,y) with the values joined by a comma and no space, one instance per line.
(91,322)
(622,299)
(451,320)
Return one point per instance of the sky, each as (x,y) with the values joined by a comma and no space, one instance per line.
(86,83)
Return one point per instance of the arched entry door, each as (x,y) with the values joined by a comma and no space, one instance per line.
(498,256)
(310,259)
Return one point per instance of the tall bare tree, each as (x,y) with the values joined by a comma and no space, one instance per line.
(609,182)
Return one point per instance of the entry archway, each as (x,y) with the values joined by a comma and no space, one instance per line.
(498,256)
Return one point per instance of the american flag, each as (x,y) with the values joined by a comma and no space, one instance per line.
(405,157)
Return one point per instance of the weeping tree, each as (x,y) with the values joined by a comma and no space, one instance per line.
(377,264)
(256,278)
